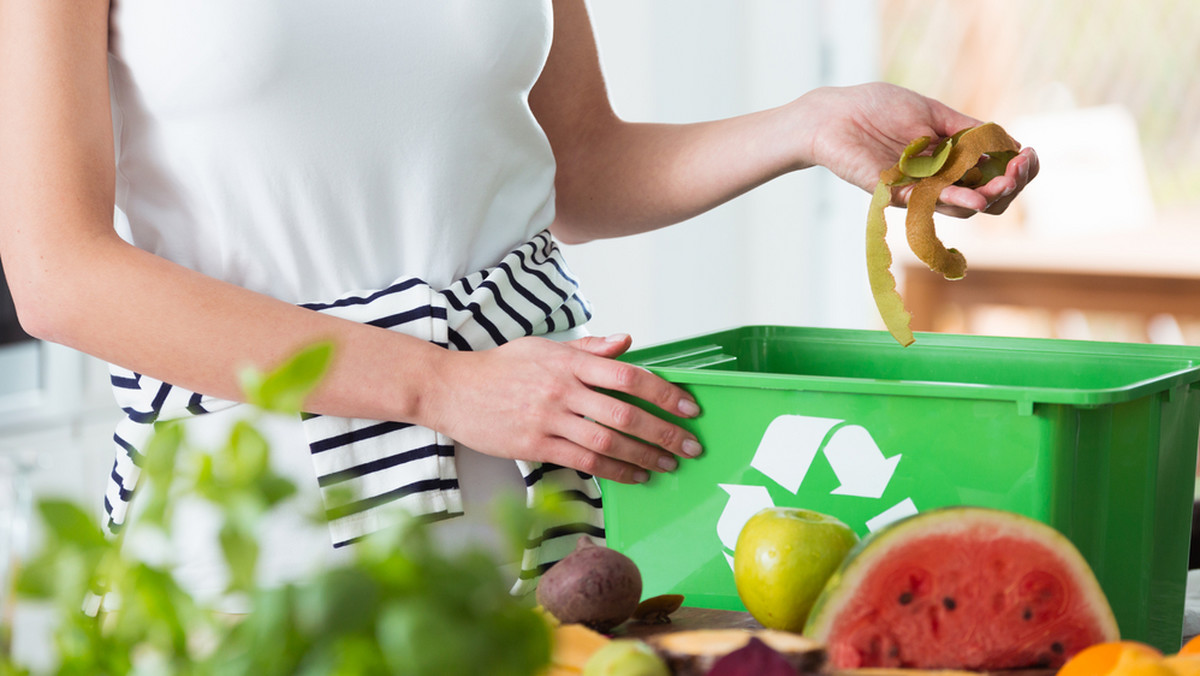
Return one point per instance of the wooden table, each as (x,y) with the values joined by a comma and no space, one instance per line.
(1141,273)
(703,618)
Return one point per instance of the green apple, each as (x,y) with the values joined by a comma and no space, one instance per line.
(783,557)
(625,657)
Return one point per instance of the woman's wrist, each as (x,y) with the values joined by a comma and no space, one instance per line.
(378,374)
(808,118)
(427,403)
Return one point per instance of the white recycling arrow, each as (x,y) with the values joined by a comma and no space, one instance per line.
(898,511)
(788,447)
(859,463)
(791,443)
(786,452)
(744,502)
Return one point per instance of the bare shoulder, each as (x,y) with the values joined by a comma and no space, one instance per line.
(571,92)
(54,98)
(57,170)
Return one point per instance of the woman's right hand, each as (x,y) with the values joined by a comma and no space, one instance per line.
(535,399)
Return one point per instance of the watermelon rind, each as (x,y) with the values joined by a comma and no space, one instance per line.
(873,552)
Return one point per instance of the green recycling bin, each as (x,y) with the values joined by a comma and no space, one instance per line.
(1096,439)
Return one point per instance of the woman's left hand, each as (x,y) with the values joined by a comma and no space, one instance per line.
(857,132)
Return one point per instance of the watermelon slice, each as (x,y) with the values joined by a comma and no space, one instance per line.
(961,588)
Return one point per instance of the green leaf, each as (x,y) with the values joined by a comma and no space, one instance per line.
(270,623)
(240,548)
(275,489)
(402,606)
(417,638)
(8,668)
(162,451)
(70,524)
(246,456)
(348,655)
(161,455)
(342,601)
(153,611)
(37,579)
(515,521)
(284,389)
(520,643)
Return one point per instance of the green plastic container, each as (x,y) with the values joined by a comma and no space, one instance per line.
(1096,439)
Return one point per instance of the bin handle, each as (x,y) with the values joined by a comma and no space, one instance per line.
(702,357)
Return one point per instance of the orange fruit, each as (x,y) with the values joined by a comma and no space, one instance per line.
(1184,665)
(574,645)
(1134,663)
(1192,647)
(1106,658)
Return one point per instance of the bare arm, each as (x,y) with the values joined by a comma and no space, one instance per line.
(77,283)
(618,178)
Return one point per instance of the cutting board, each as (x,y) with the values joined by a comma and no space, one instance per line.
(685,619)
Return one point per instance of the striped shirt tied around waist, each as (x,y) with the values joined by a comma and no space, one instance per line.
(385,465)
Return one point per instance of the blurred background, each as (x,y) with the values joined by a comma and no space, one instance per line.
(1101,246)
(1104,245)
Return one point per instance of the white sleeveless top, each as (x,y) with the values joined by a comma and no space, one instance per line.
(306,148)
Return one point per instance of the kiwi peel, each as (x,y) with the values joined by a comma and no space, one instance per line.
(970,157)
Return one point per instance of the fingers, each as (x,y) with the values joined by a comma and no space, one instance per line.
(638,382)
(621,431)
(659,440)
(961,202)
(611,346)
(1017,174)
(610,443)
(994,197)
(945,120)
(569,454)
(556,389)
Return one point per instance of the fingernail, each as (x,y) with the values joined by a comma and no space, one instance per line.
(688,408)
(691,448)
(617,338)
(641,476)
(667,463)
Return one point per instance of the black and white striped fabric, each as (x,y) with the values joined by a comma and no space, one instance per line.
(384,465)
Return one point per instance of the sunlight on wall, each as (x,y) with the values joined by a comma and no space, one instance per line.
(787,253)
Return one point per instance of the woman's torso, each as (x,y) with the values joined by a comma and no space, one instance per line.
(305,148)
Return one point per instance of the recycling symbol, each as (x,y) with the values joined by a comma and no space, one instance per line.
(788,448)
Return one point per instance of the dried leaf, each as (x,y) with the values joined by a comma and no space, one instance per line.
(658,609)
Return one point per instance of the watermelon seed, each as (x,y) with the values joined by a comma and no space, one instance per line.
(949,603)
(1056,648)
(1028,614)
(906,598)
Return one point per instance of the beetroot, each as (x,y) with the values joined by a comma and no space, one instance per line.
(595,586)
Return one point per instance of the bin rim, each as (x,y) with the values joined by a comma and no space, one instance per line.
(1176,374)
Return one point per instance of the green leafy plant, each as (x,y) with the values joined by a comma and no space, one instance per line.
(403,606)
